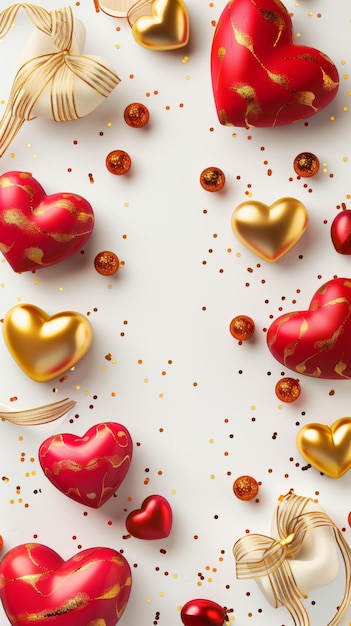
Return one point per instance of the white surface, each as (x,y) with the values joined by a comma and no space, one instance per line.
(160,292)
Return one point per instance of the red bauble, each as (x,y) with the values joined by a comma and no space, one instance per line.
(260,77)
(88,469)
(317,342)
(38,586)
(341,232)
(37,230)
(202,612)
(152,521)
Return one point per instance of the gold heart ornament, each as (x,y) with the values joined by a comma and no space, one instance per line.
(270,231)
(166,28)
(45,347)
(327,448)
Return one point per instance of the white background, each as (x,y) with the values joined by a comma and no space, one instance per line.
(155,220)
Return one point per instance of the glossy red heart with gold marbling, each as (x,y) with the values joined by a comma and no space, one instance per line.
(152,521)
(37,230)
(38,587)
(317,342)
(260,77)
(88,469)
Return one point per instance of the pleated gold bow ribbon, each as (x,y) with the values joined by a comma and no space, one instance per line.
(258,556)
(56,71)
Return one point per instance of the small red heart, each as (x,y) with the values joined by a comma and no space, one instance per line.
(201,612)
(317,342)
(152,521)
(341,232)
(88,469)
(260,77)
(38,586)
(37,230)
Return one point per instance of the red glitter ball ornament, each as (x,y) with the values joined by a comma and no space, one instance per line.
(306,164)
(288,389)
(242,327)
(118,162)
(106,263)
(212,179)
(136,115)
(245,488)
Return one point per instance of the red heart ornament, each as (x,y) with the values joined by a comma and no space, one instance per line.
(260,77)
(317,342)
(341,232)
(202,612)
(38,586)
(88,469)
(152,521)
(37,230)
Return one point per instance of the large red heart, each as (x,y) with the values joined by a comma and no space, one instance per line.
(88,469)
(260,77)
(38,586)
(152,521)
(37,230)
(317,342)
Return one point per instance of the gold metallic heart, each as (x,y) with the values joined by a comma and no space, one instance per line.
(45,347)
(270,231)
(166,28)
(327,448)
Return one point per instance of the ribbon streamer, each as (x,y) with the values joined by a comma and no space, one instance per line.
(39,415)
(258,555)
(56,70)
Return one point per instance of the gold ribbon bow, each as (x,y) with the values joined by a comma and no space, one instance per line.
(258,555)
(56,70)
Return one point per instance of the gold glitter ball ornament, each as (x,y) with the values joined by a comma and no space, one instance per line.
(245,488)
(306,164)
(118,162)
(212,179)
(288,389)
(106,263)
(136,115)
(242,327)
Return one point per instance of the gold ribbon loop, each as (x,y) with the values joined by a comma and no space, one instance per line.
(56,71)
(258,555)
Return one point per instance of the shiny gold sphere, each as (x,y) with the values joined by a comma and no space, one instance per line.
(245,488)
(106,263)
(242,327)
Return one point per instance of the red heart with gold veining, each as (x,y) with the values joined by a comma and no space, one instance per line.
(260,77)
(88,469)
(202,612)
(152,521)
(38,586)
(37,230)
(317,342)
